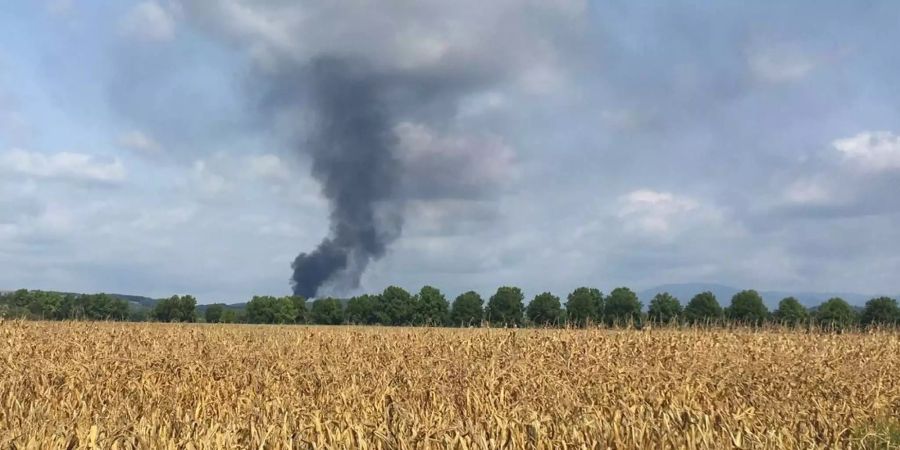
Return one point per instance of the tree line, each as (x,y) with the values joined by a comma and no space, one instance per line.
(395,306)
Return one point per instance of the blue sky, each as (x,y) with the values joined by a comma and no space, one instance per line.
(583,143)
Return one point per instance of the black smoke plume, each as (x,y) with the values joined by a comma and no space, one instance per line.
(353,158)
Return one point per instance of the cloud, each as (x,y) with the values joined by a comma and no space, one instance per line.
(138,141)
(268,167)
(872,151)
(808,192)
(452,166)
(780,63)
(63,166)
(503,39)
(208,181)
(661,213)
(149,21)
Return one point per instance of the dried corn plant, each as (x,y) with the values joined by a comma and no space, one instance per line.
(113,385)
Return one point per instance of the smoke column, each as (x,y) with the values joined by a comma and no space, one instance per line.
(353,158)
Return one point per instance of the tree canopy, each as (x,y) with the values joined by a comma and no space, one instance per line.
(506,307)
(622,307)
(431,307)
(791,312)
(835,313)
(544,309)
(664,308)
(467,310)
(268,309)
(396,306)
(361,309)
(881,311)
(584,305)
(176,309)
(747,307)
(327,311)
(703,308)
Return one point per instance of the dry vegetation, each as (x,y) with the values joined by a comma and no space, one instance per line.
(240,386)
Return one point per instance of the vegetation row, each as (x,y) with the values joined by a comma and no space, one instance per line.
(429,307)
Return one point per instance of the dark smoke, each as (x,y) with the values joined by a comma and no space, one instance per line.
(353,158)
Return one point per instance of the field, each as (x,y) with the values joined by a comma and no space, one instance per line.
(113,385)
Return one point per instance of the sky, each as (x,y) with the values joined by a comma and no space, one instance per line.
(160,147)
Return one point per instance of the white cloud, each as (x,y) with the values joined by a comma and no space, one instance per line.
(658,213)
(268,167)
(208,181)
(453,165)
(149,21)
(163,219)
(140,142)
(873,151)
(780,63)
(808,192)
(66,166)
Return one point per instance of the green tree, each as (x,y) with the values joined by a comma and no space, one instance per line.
(747,307)
(301,313)
(664,308)
(467,309)
(835,314)
(361,309)
(105,307)
(544,309)
(327,311)
(791,312)
(506,307)
(45,305)
(431,307)
(71,307)
(584,305)
(396,306)
(138,315)
(622,306)
(214,313)
(703,308)
(229,316)
(268,309)
(172,309)
(21,298)
(880,311)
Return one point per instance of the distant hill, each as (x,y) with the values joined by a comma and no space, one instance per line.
(686,291)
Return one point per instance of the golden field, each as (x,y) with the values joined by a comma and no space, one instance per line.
(115,385)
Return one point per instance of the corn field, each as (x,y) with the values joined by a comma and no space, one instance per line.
(114,385)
